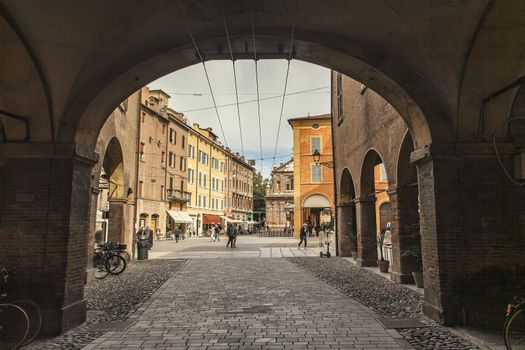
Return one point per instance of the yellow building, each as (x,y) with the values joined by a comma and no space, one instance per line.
(206,178)
(313,182)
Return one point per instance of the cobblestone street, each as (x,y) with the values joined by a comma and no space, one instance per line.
(220,299)
(250,304)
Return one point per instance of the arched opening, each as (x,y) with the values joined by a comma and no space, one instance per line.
(406,239)
(316,212)
(347,217)
(112,197)
(374,183)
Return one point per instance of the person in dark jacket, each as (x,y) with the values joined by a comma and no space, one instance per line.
(303,234)
(230,231)
(149,233)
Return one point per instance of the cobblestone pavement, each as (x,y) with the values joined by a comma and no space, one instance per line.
(250,304)
(247,247)
(386,298)
(114,298)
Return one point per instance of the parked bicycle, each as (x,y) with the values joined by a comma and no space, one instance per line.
(20,320)
(514,326)
(106,261)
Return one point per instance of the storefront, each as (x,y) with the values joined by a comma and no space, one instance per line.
(208,220)
(179,219)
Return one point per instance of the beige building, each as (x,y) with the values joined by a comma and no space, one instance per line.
(162,180)
(206,178)
(279,197)
(239,194)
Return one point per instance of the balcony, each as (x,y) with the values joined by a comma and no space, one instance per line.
(177,195)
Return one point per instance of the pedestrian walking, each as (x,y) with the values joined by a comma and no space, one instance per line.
(178,233)
(303,234)
(230,231)
(217,233)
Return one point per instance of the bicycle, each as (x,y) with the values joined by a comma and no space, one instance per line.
(106,261)
(514,326)
(20,321)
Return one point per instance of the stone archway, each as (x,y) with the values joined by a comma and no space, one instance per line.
(367,211)
(117,191)
(347,217)
(405,209)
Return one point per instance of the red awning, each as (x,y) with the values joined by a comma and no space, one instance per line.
(210,219)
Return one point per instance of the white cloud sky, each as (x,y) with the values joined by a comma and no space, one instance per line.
(303,76)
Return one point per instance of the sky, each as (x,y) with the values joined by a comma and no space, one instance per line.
(189,92)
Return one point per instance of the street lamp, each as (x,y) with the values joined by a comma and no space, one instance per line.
(317,157)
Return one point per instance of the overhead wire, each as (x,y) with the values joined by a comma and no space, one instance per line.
(257,89)
(284,94)
(207,78)
(261,99)
(234,75)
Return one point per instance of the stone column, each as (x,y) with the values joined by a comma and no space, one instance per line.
(366,231)
(44,217)
(405,231)
(345,228)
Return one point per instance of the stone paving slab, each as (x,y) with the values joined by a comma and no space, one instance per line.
(250,304)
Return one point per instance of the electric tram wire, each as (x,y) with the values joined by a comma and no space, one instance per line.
(234,75)
(207,79)
(284,93)
(257,89)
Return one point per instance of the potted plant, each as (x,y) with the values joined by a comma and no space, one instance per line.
(382,263)
(414,252)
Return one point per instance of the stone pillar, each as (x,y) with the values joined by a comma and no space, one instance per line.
(44,216)
(405,231)
(441,230)
(117,220)
(366,231)
(345,229)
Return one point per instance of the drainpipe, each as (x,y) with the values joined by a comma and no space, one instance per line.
(333,168)
(137,164)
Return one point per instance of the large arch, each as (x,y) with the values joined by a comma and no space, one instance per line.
(346,216)
(435,73)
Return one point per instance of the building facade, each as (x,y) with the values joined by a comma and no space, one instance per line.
(313,181)
(162,177)
(280,197)
(239,188)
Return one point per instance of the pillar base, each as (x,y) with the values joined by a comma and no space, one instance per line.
(366,263)
(403,278)
(90,275)
(57,321)
(435,313)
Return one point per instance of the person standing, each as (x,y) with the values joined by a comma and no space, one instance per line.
(230,231)
(217,233)
(303,234)
(178,233)
(149,233)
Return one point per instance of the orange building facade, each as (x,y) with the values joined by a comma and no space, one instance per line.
(313,182)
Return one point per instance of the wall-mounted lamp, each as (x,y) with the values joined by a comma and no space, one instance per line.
(317,157)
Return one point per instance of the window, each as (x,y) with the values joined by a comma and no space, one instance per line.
(222,166)
(199,201)
(222,185)
(141,150)
(182,163)
(163,129)
(143,117)
(204,183)
(213,203)
(204,201)
(191,151)
(190,175)
(315,143)
(141,185)
(190,202)
(163,156)
(181,185)
(161,192)
(340,115)
(222,204)
(172,136)
(200,178)
(316,173)
(183,141)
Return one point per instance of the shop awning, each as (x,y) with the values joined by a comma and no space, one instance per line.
(210,219)
(180,216)
(316,201)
